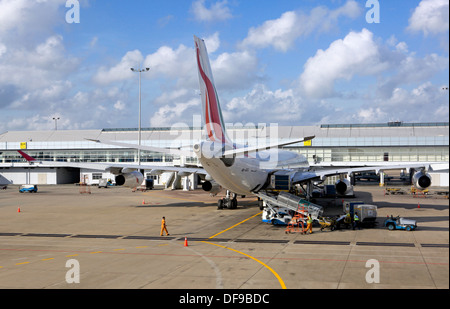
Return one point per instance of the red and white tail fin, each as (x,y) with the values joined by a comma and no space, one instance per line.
(212,114)
(27,157)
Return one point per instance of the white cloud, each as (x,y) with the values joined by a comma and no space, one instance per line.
(371,115)
(218,11)
(166,62)
(281,33)
(264,105)
(41,78)
(172,63)
(26,21)
(120,71)
(119,105)
(430,17)
(34,64)
(177,69)
(356,54)
(409,69)
(425,103)
(37,67)
(3,49)
(233,71)
(175,113)
(93,42)
(212,42)
(168,97)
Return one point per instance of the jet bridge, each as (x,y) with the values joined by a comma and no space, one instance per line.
(280,208)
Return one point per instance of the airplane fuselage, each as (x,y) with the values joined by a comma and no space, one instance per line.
(243,174)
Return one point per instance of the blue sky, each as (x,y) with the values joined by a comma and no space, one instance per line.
(287,62)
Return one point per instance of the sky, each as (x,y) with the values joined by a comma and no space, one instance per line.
(288,62)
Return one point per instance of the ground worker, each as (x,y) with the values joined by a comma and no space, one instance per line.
(164,227)
(356,221)
(348,220)
(309,221)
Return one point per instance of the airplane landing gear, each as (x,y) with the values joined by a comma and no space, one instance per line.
(229,201)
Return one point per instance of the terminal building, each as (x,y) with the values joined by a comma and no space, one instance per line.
(383,142)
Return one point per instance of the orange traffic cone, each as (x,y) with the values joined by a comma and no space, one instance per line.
(185,242)
(418,205)
(143,202)
(18,209)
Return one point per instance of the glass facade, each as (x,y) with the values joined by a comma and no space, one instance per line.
(396,141)
(86,155)
(376,154)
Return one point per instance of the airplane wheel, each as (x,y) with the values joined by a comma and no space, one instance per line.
(261,205)
(234,203)
(220,204)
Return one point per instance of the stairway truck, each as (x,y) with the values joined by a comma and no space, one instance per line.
(279,210)
(293,202)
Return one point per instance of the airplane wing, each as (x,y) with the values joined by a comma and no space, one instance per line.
(321,172)
(265,147)
(172,151)
(116,168)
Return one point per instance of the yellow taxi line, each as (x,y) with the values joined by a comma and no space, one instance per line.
(235,225)
(283,286)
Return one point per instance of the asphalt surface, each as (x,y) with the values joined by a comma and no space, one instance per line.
(110,239)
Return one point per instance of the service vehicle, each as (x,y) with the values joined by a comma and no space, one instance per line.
(367,213)
(277,215)
(399,223)
(28,188)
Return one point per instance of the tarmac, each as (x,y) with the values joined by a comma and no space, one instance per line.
(110,239)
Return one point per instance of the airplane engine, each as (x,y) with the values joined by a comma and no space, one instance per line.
(212,187)
(421,180)
(132,179)
(344,187)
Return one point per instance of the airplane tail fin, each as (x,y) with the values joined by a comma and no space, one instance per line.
(212,114)
(27,157)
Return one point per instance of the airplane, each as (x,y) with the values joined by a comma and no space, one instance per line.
(126,175)
(248,170)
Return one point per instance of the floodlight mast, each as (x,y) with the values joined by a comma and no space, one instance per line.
(139,70)
(56,122)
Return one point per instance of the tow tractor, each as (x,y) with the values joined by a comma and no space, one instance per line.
(399,223)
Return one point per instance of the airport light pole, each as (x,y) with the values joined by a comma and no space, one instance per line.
(139,138)
(56,123)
